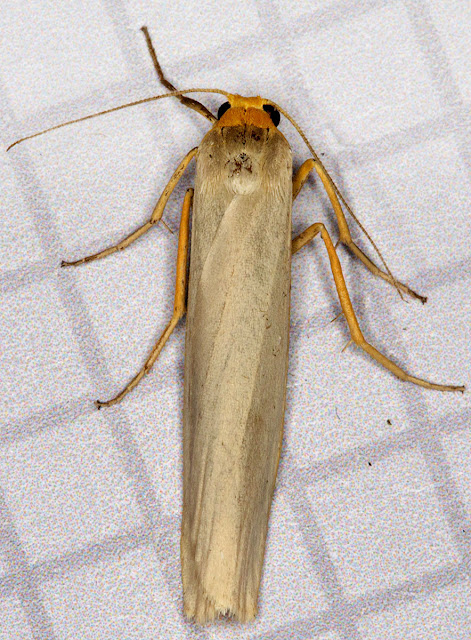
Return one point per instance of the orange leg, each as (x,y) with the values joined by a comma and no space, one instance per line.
(344,231)
(179,304)
(347,308)
(155,217)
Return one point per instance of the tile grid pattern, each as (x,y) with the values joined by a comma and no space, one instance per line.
(24,579)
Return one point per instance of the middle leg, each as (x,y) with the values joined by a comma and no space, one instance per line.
(179,304)
(347,308)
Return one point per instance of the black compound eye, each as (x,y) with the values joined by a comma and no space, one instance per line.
(223,108)
(274,114)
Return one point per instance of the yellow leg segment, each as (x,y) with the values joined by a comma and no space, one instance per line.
(347,308)
(179,307)
(155,217)
(344,231)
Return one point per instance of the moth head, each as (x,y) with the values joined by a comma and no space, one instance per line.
(241,110)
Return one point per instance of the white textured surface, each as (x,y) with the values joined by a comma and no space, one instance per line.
(370,530)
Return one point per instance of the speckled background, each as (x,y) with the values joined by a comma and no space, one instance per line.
(370,529)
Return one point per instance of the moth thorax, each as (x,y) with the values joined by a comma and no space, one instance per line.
(242,172)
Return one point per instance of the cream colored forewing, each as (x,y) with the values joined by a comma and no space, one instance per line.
(236,363)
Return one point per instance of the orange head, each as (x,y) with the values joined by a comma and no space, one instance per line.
(240,110)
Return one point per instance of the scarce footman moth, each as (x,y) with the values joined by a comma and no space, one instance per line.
(236,295)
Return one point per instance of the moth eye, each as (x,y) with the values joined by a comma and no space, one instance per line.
(223,108)
(273,113)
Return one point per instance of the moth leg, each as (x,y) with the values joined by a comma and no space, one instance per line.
(344,231)
(179,307)
(347,308)
(155,217)
(188,102)
(301,176)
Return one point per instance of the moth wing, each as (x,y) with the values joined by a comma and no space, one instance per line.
(235,380)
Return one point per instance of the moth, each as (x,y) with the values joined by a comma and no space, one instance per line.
(236,295)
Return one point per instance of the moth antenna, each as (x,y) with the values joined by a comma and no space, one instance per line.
(339,193)
(122,106)
(187,102)
(373,243)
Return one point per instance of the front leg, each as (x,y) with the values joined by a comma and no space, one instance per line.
(155,217)
(344,230)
